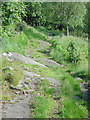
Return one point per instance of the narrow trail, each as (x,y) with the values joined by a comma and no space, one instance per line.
(19,107)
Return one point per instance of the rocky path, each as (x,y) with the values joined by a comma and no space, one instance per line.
(42,45)
(19,107)
(11,56)
(48,62)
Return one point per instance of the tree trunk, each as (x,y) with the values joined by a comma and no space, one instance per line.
(67,30)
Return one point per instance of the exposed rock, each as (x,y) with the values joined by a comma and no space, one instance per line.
(35,69)
(18,92)
(15,56)
(38,94)
(27,83)
(29,79)
(50,33)
(19,86)
(25,68)
(7,67)
(50,38)
(29,74)
(20,109)
(12,101)
(53,81)
(49,62)
(14,88)
(31,90)
(77,79)
(42,45)
(54,111)
(84,90)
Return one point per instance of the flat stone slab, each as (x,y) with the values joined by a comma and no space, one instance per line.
(19,110)
(52,81)
(42,45)
(0,111)
(49,62)
(15,56)
(30,74)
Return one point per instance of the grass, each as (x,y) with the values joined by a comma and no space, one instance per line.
(36,54)
(16,73)
(61,54)
(69,106)
(34,34)
(72,108)
(43,105)
(5,97)
(66,105)
(46,31)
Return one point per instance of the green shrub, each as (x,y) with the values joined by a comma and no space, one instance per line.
(69,49)
(73,54)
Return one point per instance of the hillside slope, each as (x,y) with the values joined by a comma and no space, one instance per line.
(34,83)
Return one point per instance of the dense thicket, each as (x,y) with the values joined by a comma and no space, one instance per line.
(68,16)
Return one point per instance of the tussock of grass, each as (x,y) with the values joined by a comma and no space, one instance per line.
(17,72)
(71,108)
(32,33)
(4,97)
(43,105)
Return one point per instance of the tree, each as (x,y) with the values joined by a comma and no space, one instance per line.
(12,12)
(33,13)
(70,14)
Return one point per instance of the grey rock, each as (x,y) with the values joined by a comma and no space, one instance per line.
(54,111)
(77,79)
(49,33)
(78,98)
(35,69)
(31,90)
(27,83)
(19,110)
(50,38)
(49,62)
(53,81)
(10,74)
(15,56)
(14,88)
(12,101)
(18,92)
(8,67)
(29,74)
(28,79)
(25,68)
(19,86)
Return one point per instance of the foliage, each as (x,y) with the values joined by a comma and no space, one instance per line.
(34,15)
(44,104)
(51,15)
(69,49)
(56,15)
(12,12)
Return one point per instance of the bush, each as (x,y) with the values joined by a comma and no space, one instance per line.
(70,49)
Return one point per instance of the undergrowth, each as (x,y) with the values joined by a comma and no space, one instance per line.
(66,105)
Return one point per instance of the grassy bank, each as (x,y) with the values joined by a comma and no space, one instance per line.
(75,58)
(72,52)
